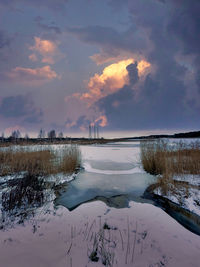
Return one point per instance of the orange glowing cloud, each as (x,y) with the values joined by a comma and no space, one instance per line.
(113,77)
(102,121)
(90,114)
(143,67)
(31,77)
(46,48)
(33,57)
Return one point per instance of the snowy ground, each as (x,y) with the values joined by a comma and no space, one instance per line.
(186,194)
(97,235)
(142,235)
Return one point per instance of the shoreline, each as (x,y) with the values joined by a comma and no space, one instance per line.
(185,217)
(9,141)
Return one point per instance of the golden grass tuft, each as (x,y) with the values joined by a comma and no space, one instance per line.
(159,157)
(70,160)
(44,162)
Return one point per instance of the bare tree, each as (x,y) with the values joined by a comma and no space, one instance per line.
(26,136)
(41,134)
(60,135)
(16,134)
(52,134)
(2,137)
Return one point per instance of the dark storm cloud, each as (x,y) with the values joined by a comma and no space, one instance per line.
(175,28)
(184,27)
(133,73)
(20,107)
(162,99)
(150,109)
(163,32)
(110,39)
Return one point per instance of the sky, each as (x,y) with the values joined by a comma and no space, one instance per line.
(127,65)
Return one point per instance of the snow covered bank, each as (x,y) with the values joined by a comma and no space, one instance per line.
(182,190)
(142,235)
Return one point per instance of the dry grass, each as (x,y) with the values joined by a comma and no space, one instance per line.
(70,160)
(159,157)
(40,163)
(35,162)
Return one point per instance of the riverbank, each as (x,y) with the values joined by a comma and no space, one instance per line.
(177,168)
(93,234)
(95,218)
(183,214)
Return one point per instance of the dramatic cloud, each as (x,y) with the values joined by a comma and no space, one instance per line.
(84,121)
(130,64)
(45,48)
(30,77)
(113,77)
(184,27)
(78,121)
(101,121)
(168,97)
(162,101)
(146,108)
(112,43)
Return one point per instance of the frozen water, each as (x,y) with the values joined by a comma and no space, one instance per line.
(110,170)
(141,235)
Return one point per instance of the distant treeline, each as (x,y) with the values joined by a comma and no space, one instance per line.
(194,134)
(16,139)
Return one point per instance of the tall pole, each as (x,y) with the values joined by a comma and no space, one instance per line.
(90,132)
(94,131)
(97,131)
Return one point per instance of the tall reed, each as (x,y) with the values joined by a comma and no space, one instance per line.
(44,162)
(161,157)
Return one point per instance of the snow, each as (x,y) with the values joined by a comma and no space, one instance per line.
(60,178)
(189,178)
(142,235)
(7,178)
(116,152)
(185,195)
(89,168)
(110,170)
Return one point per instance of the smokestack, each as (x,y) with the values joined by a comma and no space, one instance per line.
(90,131)
(94,131)
(97,131)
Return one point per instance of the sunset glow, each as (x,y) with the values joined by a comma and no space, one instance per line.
(99,60)
(32,76)
(45,48)
(99,133)
(113,77)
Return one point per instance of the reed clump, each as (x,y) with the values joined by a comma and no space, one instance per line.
(161,158)
(70,160)
(39,163)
